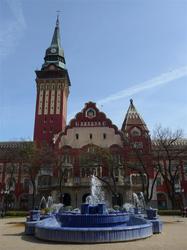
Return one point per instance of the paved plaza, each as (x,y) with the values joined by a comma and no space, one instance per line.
(174,236)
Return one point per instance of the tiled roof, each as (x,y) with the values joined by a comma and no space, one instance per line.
(9,145)
(133,118)
(180,142)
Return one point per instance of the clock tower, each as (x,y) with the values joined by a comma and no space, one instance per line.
(52,83)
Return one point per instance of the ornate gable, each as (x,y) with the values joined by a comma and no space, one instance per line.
(90,116)
(90,126)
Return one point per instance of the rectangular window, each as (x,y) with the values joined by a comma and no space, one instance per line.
(90,136)
(104,136)
(77,136)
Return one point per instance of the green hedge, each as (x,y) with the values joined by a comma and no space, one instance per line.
(169,212)
(17,213)
(25,213)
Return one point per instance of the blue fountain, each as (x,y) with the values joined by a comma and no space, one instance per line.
(94,223)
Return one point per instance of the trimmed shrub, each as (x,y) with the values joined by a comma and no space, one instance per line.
(17,213)
(169,212)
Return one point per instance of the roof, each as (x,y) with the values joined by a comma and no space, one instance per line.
(133,118)
(179,142)
(56,36)
(13,145)
(55,53)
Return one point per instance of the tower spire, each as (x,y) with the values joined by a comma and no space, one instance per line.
(56,36)
(52,92)
(57,19)
(133,118)
(55,53)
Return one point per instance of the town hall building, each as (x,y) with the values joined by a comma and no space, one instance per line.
(90,129)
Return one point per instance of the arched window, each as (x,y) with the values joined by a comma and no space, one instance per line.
(117,200)
(84,197)
(66,199)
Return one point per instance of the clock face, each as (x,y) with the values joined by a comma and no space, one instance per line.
(53,50)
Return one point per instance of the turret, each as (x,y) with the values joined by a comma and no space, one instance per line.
(52,92)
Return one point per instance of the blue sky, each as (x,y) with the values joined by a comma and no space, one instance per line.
(115,50)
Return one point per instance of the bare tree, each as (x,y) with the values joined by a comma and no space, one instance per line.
(60,164)
(10,156)
(63,163)
(170,150)
(145,167)
(140,161)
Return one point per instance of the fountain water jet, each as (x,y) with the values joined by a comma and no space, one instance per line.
(97,194)
(43,203)
(49,203)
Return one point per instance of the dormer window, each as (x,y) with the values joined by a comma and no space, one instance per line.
(136,132)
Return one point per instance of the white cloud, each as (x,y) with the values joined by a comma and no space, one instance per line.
(149,84)
(162,79)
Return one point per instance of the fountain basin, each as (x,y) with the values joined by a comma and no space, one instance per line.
(91,220)
(132,229)
(34,215)
(151,213)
